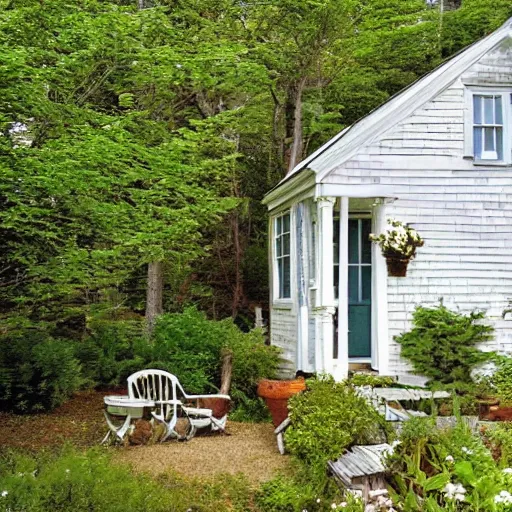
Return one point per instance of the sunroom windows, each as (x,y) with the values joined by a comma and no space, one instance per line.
(282,255)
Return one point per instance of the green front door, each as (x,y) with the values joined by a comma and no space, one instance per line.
(359,288)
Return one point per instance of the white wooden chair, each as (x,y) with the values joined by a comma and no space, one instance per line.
(172,403)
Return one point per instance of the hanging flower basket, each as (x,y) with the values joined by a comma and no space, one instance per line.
(398,244)
(397,267)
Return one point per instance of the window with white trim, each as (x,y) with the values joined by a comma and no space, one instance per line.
(282,255)
(491,130)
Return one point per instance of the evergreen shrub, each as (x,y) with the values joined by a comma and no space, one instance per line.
(443,344)
(37,372)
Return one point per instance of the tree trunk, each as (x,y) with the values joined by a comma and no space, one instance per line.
(227,367)
(154,293)
(237,286)
(294,123)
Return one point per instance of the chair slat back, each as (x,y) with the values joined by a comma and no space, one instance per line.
(157,385)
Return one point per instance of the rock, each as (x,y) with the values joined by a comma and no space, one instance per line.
(142,433)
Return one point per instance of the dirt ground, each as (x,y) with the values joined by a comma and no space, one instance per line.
(250,448)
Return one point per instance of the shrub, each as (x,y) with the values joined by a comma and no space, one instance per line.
(77,482)
(190,345)
(499,438)
(443,344)
(501,380)
(186,344)
(110,351)
(328,418)
(37,372)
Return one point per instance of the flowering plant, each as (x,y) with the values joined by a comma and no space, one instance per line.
(398,241)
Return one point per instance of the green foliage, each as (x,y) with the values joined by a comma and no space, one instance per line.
(73,481)
(375,381)
(328,418)
(501,380)
(109,352)
(442,345)
(188,345)
(37,372)
(500,439)
(447,469)
(295,494)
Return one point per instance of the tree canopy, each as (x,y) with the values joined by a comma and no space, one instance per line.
(136,131)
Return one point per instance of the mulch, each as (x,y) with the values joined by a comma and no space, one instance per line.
(79,422)
(249,449)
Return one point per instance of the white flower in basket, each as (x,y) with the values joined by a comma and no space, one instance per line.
(399,241)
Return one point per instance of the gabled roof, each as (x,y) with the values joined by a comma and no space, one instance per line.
(344,145)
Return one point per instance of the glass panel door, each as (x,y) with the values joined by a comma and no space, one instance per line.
(359,288)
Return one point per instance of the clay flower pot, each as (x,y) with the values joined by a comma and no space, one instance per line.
(276,394)
(397,267)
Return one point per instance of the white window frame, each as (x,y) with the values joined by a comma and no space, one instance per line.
(278,298)
(506,101)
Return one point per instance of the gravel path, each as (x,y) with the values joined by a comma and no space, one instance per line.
(250,449)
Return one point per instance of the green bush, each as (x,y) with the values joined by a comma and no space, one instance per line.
(109,353)
(37,372)
(328,418)
(188,345)
(443,344)
(77,482)
(500,437)
(501,380)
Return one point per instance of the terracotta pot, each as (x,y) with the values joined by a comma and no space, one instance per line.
(219,406)
(276,394)
(397,267)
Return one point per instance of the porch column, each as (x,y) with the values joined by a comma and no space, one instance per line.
(380,341)
(324,360)
(341,367)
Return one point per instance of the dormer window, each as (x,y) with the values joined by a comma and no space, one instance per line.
(489,126)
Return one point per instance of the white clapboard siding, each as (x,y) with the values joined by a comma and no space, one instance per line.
(463,211)
(283,327)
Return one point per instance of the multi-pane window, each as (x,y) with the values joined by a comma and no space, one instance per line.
(488,126)
(282,251)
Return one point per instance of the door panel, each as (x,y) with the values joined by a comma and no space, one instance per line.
(359,288)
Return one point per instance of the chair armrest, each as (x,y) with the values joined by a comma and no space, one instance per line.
(195,397)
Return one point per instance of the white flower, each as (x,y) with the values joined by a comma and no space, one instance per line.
(179,66)
(334,506)
(449,458)
(4,494)
(467,450)
(503,497)
(507,471)
(343,504)
(67,470)
(318,500)
(454,492)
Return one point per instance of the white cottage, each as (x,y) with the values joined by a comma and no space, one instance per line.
(438,156)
